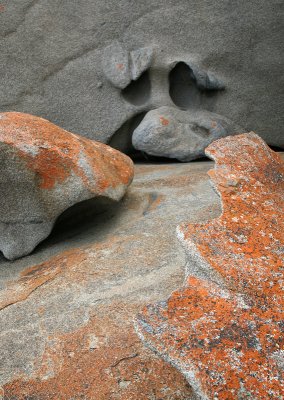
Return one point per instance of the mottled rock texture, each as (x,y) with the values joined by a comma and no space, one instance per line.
(44,171)
(67,310)
(224,328)
(170,132)
(96,67)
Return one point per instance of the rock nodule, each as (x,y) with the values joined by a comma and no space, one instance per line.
(45,170)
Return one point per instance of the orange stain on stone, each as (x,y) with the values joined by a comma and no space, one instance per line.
(228,334)
(36,276)
(120,66)
(164,121)
(55,154)
(102,360)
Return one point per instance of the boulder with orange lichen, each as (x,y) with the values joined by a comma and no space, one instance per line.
(44,171)
(224,329)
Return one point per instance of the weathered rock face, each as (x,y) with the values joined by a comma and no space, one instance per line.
(224,328)
(92,67)
(67,310)
(170,132)
(44,170)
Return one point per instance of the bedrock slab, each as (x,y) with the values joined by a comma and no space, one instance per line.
(44,171)
(67,310)
(224,328)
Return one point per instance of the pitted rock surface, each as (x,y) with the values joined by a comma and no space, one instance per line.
(45,170)
(224,328)
(170,132)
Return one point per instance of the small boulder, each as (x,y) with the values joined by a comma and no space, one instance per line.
(45,170)
(184,135)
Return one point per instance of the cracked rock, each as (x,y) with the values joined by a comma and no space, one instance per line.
(45,170)
(184,135)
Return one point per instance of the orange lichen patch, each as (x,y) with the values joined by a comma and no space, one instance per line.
(36,276)
(227,336)
(164,121)
(74,263)
(55,154)
(120,66)
(102,360)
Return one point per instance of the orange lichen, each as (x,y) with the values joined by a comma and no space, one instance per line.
(164,121)
(228,335)
(54,154)
(120,66)
(102,360)
(34,277)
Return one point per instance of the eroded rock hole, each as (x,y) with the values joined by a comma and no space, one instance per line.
(122,139)
(183,89)
(276,148)
(81,221)
(138,92)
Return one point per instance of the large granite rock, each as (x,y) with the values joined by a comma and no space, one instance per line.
(95,68)
(170,132)
(224,328)
(44,171)
(67,310)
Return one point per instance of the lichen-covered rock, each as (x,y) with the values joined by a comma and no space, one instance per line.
(45,170)
(66,311)
(184,135)
(224,328)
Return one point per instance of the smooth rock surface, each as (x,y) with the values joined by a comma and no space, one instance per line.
(67,310)
(224,328)
(170,132)
(51,61)
(120,68)
(44,171)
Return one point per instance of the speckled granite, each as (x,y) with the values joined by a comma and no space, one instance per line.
(224,328)
(67,309)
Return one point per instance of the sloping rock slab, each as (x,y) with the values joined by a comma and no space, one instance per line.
(45,170)
(67,309)
(224,328)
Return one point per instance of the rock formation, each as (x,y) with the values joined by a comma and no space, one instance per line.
(170,132)
(224,328)
(67,310)
(95,68)
(45,170)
